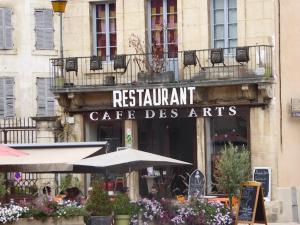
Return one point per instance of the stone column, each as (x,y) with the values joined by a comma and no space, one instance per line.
(200,144)
(265,141)
(46,128)
(131,141)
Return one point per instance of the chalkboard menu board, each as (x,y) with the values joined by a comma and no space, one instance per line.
(263,175)
(247,202)
(251,206)
(196,184)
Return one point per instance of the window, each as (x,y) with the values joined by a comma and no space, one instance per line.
(105,38)
(224,30)
(7,97)
(5,29)
(163,25)
(44,31)
(45,98)
(221,131)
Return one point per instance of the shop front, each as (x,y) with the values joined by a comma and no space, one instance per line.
(169,122)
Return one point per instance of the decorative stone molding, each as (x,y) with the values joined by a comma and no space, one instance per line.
(63,100)
(265,92)
(77,100)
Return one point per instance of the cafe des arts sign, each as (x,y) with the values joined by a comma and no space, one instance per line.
(158,103)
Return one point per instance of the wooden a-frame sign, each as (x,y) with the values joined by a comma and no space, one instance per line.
(251,205)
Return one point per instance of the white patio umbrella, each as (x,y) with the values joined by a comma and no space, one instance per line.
(129,160)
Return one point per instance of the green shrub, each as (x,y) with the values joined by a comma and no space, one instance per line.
(99,203)
(233,168)
(123,206)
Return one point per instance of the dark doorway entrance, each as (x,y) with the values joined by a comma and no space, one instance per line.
(175,138)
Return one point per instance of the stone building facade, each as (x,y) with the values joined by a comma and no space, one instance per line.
(187,36)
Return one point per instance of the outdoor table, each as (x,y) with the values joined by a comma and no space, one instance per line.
(222,200)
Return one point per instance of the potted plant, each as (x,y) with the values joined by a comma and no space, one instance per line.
(233,167)
(123,210)
(151,66)
(99,207)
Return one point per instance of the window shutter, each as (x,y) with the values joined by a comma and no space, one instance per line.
(44,29)
(9,95)
(1,29)
(5,29)
(45,98)
(41,97)
(8,44)
(2,102)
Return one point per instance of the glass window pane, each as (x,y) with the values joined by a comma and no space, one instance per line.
(219,16)
(100,11)
(172,6)
(112,10)
(232,43)
(232,3)
(157,37)
(232,16)
(172,21)
(112,25)
(101,26)
(172,36)
(113,51)
(156,22)
(156,6)
(102,53)
(232,33)
(219,32)
(218,4)
(219,44)
(172,50)
(101,40)
(113,39)
(221,131)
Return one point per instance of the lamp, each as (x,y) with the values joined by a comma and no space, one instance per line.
(95,63)
(216,56)
(189,58)
(71,64)
(59,5)
(120,62)
(242,54)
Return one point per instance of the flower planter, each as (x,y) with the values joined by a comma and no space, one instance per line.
(162,77)
(77,220)
(122,220)
(101,220)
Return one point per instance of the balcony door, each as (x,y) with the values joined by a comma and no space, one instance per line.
(162,31)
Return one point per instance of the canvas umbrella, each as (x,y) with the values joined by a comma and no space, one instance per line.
(8,151)
(129,160)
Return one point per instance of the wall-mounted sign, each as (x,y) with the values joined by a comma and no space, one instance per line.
(295,107)
(153,97)
(164,113)
(263,175)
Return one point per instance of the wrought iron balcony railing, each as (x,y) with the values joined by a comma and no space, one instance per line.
(240,63)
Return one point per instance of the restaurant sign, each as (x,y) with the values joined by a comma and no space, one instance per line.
(158,103)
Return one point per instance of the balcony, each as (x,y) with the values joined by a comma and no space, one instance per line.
(209,67)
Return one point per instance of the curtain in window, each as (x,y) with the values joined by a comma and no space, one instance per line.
(164,25)
(106,30)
